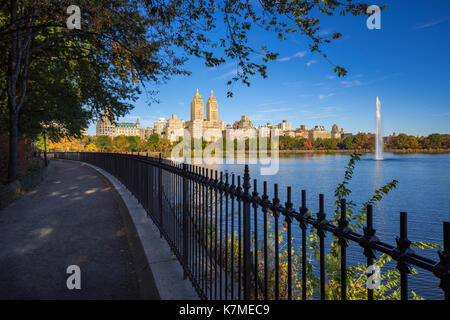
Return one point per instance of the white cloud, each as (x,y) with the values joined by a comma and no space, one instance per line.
(227,75)
(275,110)
(271,103)
(325,32)
(292,84)
(329,108)
(299,54)
(310,63)
(316,113)
(432,23)
(322,116)
(320,113)
(350,84)
(323,96)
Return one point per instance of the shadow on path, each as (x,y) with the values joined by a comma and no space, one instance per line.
(71,218)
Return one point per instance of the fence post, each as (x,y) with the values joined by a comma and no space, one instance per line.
(399,254)
(368,240)
(343,230)
(319,223)
(445,283)
(289,212)
(246,231)
(442,269)
(161,225)
(185,221)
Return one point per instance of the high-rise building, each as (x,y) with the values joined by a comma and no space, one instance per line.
(284,126)
(159,127)
(212,108)
(263,131)
(197,107)
(174,128)
(145,133)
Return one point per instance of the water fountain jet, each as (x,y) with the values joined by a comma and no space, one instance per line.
(379,143)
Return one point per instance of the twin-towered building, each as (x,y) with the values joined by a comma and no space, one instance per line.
(210,128)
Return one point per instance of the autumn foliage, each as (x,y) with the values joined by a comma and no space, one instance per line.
(120,143)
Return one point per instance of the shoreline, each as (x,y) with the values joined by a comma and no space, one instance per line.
(287,152)
(369,151)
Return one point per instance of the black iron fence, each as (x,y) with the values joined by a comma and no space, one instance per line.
(234,243)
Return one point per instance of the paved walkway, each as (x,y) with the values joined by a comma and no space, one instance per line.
(71,218)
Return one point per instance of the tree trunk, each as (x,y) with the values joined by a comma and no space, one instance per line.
(13,146)
(18,63)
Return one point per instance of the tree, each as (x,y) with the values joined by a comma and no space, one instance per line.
(287,143)
(133,143)
(123,45)
(103,142)
(330,144)
(121,143)
(403,141)
(446,140)
(318,143)
(435,140)
(91,147)
(308,144)
(299,142)
(349,142)
(204,143)
(413,143)
(153,141)
(361,140)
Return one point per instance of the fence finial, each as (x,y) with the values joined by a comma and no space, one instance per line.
(246,184)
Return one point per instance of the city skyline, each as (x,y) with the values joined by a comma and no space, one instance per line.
(404,64)
(211,127)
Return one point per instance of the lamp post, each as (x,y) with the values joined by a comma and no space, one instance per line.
(45,147)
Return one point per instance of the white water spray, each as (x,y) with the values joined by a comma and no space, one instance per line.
(379,144)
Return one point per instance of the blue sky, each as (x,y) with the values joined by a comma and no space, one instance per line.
(406,64)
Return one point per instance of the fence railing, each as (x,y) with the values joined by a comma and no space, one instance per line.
(228,238)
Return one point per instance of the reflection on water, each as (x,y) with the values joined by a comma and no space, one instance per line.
(423,191)
(378,182)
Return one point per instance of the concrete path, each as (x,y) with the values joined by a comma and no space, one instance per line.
(72,218)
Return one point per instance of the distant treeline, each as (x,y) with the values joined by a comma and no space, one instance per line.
(156,144)
(367,141)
